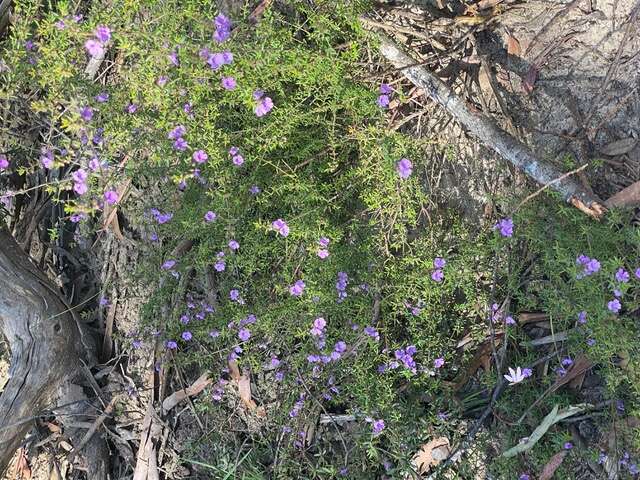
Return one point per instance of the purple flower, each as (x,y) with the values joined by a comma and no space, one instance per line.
(318,327)
(323,242)
(173,58)
(509,320)
(527,372)
(86,113)
(94,48)
(568,446)
(103,33)
(185,319)
(60,25)
(254,189)
(567,362)
(341,286)
(438,362)
(637,273)
(244,334)
(219,266)
(437,275)
(4,163)
(200,156)
(582,317)
(186,335)
(169,264)
(524,476)
(228,83)
(214,333)
(233,245)
(281,227)
(383,101)
(439,262)
(132,108)
(234,294)
(162,80)
(258,94)
(378,426)
(102,97)
(111,197)
(322,253)
(223,28)
(237,160)
(622,275)
(297,288)
(505,226)
(372,332)
(385,89)
(171,345)
(591,342)
(104,301)
(340,346)
(263,107)
(614,305)
(591,267)
(46,158)
(404,167)
(210,216)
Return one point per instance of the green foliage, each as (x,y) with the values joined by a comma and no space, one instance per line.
(324,163)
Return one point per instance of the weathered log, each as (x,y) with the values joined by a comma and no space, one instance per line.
(490,134)
(44,339)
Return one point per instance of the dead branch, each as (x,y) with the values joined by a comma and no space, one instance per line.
(44,339)
(485,129)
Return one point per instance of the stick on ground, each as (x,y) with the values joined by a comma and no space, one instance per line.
(491,135)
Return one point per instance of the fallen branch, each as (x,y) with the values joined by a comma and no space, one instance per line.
(485,129)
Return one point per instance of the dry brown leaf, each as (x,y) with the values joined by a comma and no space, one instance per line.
(552,465)
(513,45)
(482,358)
(619,147)
(23,470)
(52,427)
(529,80)
(234,371)
(244,389)
(580,366)
(627,197)
(431,454)
(176,397)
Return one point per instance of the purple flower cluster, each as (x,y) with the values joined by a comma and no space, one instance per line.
(589,266)
(281,227)
(322,251)
(405,355)
(220,264)
(341,286)
(297,288)
(4,163)
(80,181)
(264,104)
(437,274)
(177,135)
(95,46)
(161,217)
(384,97)
(46,158)
(222,24)
(318,327)
(505,227)
(219,59)
(236,157)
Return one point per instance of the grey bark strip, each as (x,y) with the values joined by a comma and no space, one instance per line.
(490,134)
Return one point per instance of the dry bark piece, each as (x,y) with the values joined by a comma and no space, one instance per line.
(627,197)
(487,131)
(552,465)
(244,389)
(431,454)
(532,317)
(513,45)
(619,147)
